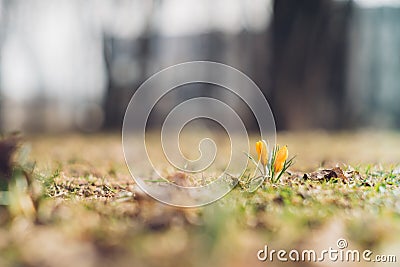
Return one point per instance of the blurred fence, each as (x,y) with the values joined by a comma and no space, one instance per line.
(69,65)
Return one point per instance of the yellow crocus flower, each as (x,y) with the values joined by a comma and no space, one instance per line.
(281,157)
(262,152)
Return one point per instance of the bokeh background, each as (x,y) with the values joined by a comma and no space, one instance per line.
(322,64)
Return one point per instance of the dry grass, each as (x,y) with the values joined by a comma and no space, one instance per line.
(89,212)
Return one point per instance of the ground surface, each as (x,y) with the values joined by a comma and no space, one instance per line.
(89,212)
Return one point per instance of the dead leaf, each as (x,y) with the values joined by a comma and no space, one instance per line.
(326,174)
(336,172)
(179,178)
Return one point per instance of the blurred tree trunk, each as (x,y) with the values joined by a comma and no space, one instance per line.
(309,63)
(123,76)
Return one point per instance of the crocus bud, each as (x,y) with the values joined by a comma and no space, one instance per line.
(262,152)
(281,157)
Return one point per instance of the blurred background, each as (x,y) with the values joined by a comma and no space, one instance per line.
(322,64)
